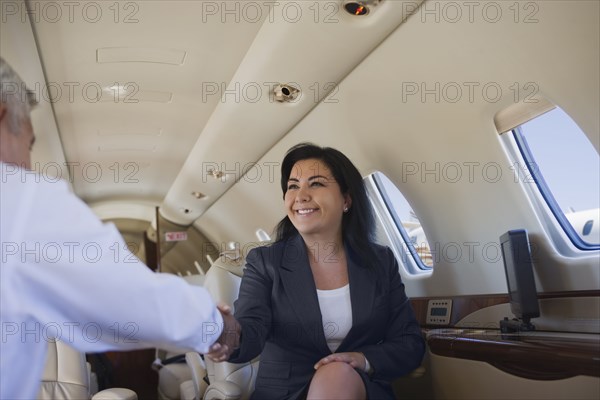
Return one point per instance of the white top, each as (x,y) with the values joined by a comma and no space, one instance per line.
(65,275)
(336,311)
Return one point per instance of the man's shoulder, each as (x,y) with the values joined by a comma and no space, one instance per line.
(21,179)
(29,196)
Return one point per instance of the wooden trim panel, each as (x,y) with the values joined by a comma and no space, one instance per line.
(530,355)
(462,306)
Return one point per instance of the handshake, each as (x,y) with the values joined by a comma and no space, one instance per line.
(229,341)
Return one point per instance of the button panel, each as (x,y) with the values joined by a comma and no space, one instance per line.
(439,311)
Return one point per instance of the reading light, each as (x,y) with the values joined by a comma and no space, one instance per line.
(198,195)
(215,173)
(359,7)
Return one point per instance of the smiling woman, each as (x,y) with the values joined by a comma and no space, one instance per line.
(324,306)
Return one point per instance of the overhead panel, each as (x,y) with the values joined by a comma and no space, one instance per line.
(310,46)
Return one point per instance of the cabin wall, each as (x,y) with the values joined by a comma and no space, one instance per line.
(561,59)
(465,379)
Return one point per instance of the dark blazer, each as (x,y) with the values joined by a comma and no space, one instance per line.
(281,320)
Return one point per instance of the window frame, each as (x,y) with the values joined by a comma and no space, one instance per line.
(391,223)
(543,191)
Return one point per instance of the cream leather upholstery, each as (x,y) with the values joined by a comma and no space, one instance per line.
(227,380)
(115,394)
(187,391)
(171,376)
(67,376)
(194,388)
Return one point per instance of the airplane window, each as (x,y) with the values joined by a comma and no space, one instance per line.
(566,168)
(399,224)
(587,228)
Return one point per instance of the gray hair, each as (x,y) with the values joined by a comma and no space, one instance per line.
(14,94)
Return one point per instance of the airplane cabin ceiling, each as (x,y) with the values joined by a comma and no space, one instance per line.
(148,95)
(127,83)
(144,96)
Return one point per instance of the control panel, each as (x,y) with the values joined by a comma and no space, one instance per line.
(439,311)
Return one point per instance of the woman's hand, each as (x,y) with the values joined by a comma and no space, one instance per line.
(356,360)
(229,340)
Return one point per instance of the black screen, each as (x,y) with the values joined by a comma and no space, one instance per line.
(438,312)
(519,274)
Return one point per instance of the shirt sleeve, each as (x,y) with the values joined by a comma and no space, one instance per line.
(69,276)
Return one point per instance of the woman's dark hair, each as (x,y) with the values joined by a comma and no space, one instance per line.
(358,223)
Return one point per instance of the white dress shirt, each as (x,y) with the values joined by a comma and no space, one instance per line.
(65,275)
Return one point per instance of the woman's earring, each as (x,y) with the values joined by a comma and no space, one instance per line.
(345,209)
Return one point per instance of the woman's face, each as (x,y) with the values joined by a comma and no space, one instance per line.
(314,201)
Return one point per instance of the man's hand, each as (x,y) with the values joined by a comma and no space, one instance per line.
(229,340)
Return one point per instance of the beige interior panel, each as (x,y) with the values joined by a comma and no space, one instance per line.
(455,378)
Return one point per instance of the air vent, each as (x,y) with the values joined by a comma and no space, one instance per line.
(125,132)
(285,93)
(198,195)
(140,54)
(138,147)
(130,93)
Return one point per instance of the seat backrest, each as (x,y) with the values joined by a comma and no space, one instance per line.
(66,374)
(223,283)
(171,376)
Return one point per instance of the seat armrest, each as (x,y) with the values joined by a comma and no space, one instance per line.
(194,361)
(115,394)
(223,390)
(418,372)
(187,391)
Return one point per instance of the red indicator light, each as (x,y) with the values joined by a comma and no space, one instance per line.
(356,8)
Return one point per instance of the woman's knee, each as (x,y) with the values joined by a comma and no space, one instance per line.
(336,380)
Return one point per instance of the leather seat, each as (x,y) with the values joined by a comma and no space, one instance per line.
(226,380)
(172,374)
(67,375)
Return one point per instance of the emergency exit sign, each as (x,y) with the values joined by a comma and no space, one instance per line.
(175,236)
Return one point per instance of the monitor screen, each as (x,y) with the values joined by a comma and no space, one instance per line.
(522,292)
